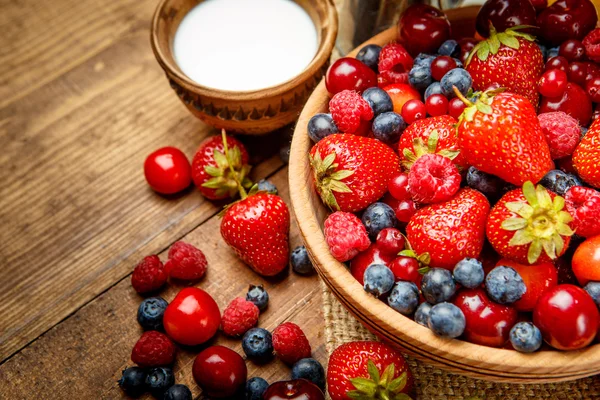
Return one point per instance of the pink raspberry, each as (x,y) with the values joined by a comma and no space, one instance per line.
(348,108)
(186,262)
(562,133)
(149,275)
(592,45)
(153,349)
(584,206)
(239,316)
(394,63)
(346,235)
(433,178)
(290,343)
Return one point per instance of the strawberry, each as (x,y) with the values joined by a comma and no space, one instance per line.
(368,370)
(586,158)
(501,135)
(430,135)
(351,172)
(510,59)
(216,172)
(257,229)
(529,225)
(450,231)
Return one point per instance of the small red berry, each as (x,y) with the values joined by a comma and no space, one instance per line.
(394,63)
(168,170)
(440,66)
(345,235)
(433,179)
(456,107)
(577,73)
(149,275)
(239,316)
(348,109)
(572,50)
(592,45)
(592,87)
(584,206)
(398,186)
(413,110)
(557,62)
(185,262)
(405,269)
(405,210)
(290,343)
(153,349)
(390,241)
(553,83)
(562,133)
(219,371)
(436,105)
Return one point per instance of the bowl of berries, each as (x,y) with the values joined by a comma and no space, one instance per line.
(447,188)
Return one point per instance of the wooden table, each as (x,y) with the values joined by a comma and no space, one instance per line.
(82,102)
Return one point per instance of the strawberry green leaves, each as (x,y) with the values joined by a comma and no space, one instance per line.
(420,148)
(329,180)
(383,387)
(495,41)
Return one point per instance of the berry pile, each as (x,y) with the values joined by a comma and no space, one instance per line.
(463,175)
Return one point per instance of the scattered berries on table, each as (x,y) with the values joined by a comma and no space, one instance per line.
(186,262)
(255,388)
(345,235)
(562,133)
(320,126)
(311,370)
(133,381)
(290,343)
(504,285)
(525,337)
(348,109)
(167,171)
(159,379)
(259,296)
(433,178)
(446,320)
(378,279)
(153,349)
(257,344)
(469,273)
(239,316)
(149,275)
(150,313)
(404,297)
(369,55)
(219,371)
(438,286)
(178,392)
(266,186)
(300,261)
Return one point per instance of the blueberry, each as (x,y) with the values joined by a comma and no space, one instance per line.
(469,273)
(388,127)
(552,52)
(259,296)
(456,77)
(257,343)
(379,100)
(178,392)
(311,370)
(378,279)
(150,313)
(593,289)
(560,182)
(369,55)
(449,48)
(420,77)
(320,126)
(459,63)
(504,285)
(525,337)
(446,320)
(133,381)
(255,388)
(267,186)
(422,314)
(437,285)
(300,262)
(377,217)
(491,186)
(159,380)
(404,297)
(423,59)
(434,88)
(544,51)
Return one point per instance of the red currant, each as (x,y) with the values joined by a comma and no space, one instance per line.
(553,83)
(440,66)
(577,73)
(436,105)
(592,87)
(456,107)
(557,62)
(413,110)
(398,187)
(405,269)
(168,170)
(572,50)
(390,241)
(405,210)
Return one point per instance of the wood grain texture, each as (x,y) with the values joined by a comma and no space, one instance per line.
(452,355)
(82,357)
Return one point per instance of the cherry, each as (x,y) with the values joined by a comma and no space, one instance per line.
(577,73)
(398,186)
(400,93)
(219,371)
(413,110)
(423,29)
(297,389)
(586,261)
(557,62)
(406,269)
(572,50)
(574,102)
(504,14)
(466,45)
(441,65)
(390,241)
(538,278)
(553,83)
(456,107)
(192,317)
(488,323)
(567,317)
(404,209)
(593,71)
(436,105)
(349,74)
(567,19)
(372,255)
(168,170)
(592,87)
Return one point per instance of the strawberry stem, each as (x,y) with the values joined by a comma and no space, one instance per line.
(468,102)
(241,189)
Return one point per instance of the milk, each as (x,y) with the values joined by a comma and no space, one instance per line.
(243,45)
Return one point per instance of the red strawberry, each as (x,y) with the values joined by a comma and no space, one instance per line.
(510,59)
(257,229)
(529,225)
(430,135)
(501,135)
(368,370)
(211,170)
(586,158)
(352,172)
(450,231)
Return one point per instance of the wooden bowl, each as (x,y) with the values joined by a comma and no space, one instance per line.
(453,355)
(249,112)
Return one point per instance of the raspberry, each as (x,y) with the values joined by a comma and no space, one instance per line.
(394,63)
(149,275)
(239,316)
(290,343)
(592,45)
(584,206)
(562,133)
(185,262)
(346,235)
(433,178)
(153,349)
(348,108)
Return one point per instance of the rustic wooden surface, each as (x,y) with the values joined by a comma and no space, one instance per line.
(82,102)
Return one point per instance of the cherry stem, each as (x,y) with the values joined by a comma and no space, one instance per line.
(461,97)
(241,189)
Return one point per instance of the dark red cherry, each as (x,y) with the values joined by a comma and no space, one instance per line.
(504,14)
(574,102)
(372,255)
(297,389)
(349,74)
(423,29)
(572,50)
(466,45)
(567,19)
(577,73)
(557,62)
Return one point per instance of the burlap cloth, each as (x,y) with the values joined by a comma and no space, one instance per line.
(435,384)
